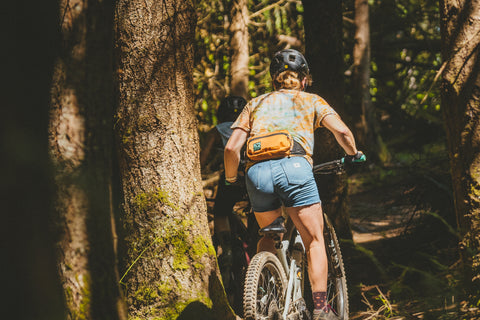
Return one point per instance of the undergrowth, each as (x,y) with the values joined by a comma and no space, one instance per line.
(417,273)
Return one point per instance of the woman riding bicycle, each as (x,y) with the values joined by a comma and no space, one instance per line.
(280,128)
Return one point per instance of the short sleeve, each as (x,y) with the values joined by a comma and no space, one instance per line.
(243,120)
(322,109)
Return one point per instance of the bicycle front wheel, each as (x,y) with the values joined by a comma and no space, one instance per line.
(337,294)
(265,285)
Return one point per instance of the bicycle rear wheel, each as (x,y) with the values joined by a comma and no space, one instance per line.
(337,294)
(243,243)
(265,284)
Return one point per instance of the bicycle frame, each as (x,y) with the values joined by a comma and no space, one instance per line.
(292,270)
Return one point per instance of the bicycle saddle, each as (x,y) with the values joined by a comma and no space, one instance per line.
(276,226)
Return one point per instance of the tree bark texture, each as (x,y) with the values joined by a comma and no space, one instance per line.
(361,112)
(361,72)
(30,284)
(239,48)
(324,53)
(81,140)
(460,26)
(170,268)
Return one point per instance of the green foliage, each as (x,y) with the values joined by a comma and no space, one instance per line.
(405,59)
(362,250)
(213,51)
(445,223)
(405,42)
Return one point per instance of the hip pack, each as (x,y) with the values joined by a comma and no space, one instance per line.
(271,145)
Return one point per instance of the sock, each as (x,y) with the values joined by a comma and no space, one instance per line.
(320,301)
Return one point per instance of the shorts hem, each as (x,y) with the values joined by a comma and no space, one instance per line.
(306,203)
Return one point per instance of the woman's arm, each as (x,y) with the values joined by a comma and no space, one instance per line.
(232,153)
(342,133)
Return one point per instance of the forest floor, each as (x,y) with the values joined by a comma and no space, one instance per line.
(401,263)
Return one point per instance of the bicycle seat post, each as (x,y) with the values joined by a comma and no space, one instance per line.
(274,230)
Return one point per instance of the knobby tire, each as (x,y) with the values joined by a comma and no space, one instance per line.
(337,293)
(265,286)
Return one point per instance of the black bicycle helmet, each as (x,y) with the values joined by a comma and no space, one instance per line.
(289,59)
(230,108)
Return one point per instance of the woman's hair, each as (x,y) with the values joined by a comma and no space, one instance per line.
(289,80)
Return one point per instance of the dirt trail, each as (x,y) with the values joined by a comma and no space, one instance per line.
(401,252)
(379,213)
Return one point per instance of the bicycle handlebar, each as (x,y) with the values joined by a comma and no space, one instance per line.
(335,166)
(331,167)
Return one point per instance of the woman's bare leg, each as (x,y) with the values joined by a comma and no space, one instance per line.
(309,222)
(264,219)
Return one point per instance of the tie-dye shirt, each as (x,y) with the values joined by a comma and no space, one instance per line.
(296,111)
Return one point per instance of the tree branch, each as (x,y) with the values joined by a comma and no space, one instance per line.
(273,5)
(439,73)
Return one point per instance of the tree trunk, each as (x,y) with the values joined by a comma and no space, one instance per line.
(460,26)
(324,52)
(361,112)
(30,283)
(171,267)
(81,139)
(239,48)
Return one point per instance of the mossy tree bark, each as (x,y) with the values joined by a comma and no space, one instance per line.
(460,25)
(324,52)
(239,48)
(170,268)
(81,140)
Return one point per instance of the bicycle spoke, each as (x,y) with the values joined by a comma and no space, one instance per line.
(267,292)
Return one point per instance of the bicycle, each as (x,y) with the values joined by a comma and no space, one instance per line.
(244,237)
(277,286)
(244,247)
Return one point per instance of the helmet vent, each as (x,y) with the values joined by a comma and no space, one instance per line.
(288,59)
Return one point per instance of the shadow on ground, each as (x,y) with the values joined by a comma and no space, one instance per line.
(398,266)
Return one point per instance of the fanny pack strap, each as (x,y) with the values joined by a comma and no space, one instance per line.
(297,149)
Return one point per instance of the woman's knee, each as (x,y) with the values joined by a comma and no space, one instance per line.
(316,243)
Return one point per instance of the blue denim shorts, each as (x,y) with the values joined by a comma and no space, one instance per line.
(287,181)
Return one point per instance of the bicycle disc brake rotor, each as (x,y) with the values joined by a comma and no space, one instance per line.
(299,311)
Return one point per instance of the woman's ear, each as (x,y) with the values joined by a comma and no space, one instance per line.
(304,83)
